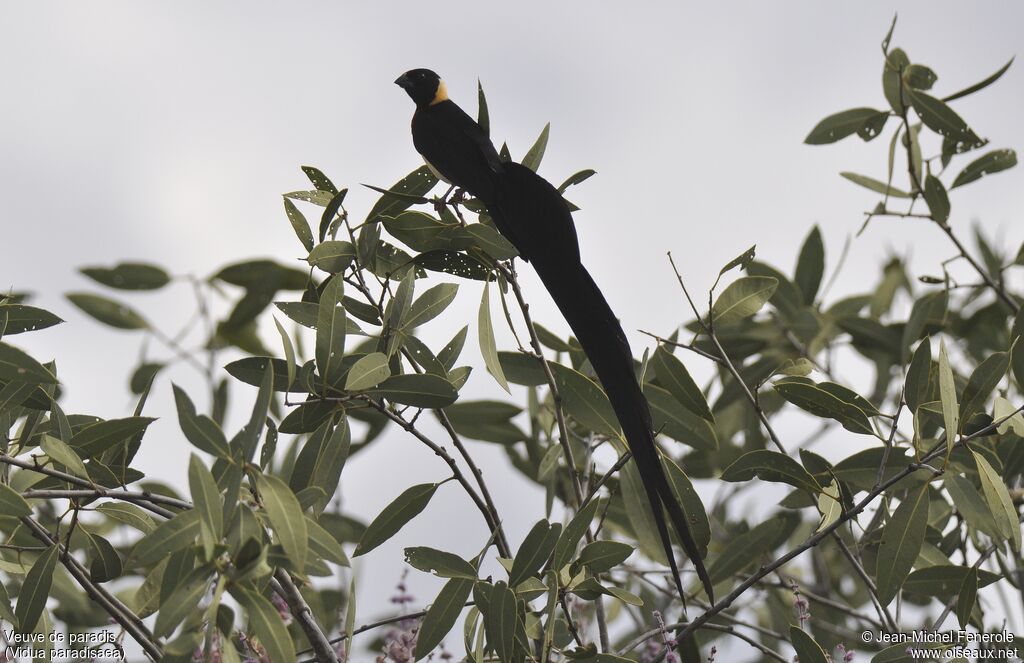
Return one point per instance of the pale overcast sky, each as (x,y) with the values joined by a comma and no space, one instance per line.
(166,132)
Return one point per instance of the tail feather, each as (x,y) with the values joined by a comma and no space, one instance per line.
(599,332)
(532,214)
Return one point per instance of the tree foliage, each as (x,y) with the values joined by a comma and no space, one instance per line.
(918,505)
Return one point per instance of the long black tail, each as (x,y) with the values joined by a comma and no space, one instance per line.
(532,214)
(598,331)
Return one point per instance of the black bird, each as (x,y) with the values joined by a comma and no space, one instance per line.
(532,214)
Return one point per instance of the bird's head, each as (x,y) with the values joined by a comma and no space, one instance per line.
(424,86)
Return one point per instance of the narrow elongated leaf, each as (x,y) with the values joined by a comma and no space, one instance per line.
(940,118)
(171,536)
(967,596)
(822,402)
(332,256)
(980,85)
(601,556)
(901,543)
(500,620)
(947,391)
(875,185)
(266,623)
(418,390)
(533,156)
(937,198)
(18,318)
(403,193)
(488,347)
(128,514)
(770,465)
(742,298)
(982,382)
(35,590)
(102,435)
(584,401)
(672,375)
(442,615)
(693,507)
(324,545)
(440,563)
(989,163)
(430,304)
(916,388)
(129,276)
(285,517)
(999,501)
(299,224)
(806,648)
(534,552)
(395,515)
(12,504)
(945,580)
(16,365)
(570,537)
(319,180)
(839,125)
(330,331)
(200,430)
(182,602)
(65,455)
(107,311)
(810,266)
(207,501)
(368,371)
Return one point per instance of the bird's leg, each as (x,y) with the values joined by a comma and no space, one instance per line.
(439,203)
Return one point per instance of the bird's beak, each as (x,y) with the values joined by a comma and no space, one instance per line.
(403,82)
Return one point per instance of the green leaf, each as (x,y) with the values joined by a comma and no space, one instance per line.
(940,118)
(601,556)
(741,261)
(17,366)
(536,152)
(35,590)
(107,311)
(967,596)
(919,77)
(403,193)
(483,118)
(430,304)
(442,615)
(534,552)
(319,180)
(693,507)
(330,331)
(901,543)
(182,602)
(440,563)
(742,298)
(675,421)
(830,506)
(266,623)
(947,392)
(839,125)
(18,318)
(299,224)
(875,185)
(12,504)
(999,502)
(810,266)
(285,517)
(807,650)
(200,430)
(453,262)
(500,620)
(395,515)
(989,163)
(332,256)
(252,370)
(488,347)
(981,85)
(418,390)
(522,369)
(824,402)
(324,545)
(944,580)
(892,82)
(565,547)
(971,505)
(576,178)
(770,465)
(982,383)
(129,276)
(368,371)
(584,401)
(672,374)
(207,501)
(65,455)
(169,537)
(492,242)
(128,514)
(747,549)
(96,438)
(937,199)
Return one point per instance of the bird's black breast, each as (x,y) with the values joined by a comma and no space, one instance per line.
(455,145)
